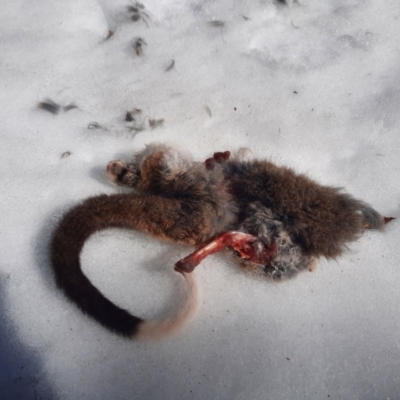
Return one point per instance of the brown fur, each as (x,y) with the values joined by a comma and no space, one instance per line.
(192,203)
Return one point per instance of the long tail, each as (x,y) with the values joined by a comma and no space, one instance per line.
(97,213)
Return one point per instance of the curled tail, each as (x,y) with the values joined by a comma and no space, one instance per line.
(97,213)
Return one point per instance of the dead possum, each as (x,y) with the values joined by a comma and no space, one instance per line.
(275,222)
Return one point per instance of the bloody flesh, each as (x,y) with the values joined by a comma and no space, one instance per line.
(247,246)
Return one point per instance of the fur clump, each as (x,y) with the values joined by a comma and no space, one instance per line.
(289,259)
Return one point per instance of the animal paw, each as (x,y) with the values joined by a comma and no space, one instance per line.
(115,169)
(123,174)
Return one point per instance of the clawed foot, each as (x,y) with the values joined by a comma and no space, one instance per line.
(121,173)
(115,169)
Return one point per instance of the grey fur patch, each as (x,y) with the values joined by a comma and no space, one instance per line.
(289,260)
(372,217)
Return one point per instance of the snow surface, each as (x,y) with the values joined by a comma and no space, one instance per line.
(314,85)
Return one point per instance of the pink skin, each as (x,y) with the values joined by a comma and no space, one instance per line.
(243,243)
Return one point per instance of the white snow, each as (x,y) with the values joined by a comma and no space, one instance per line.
(314,85)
